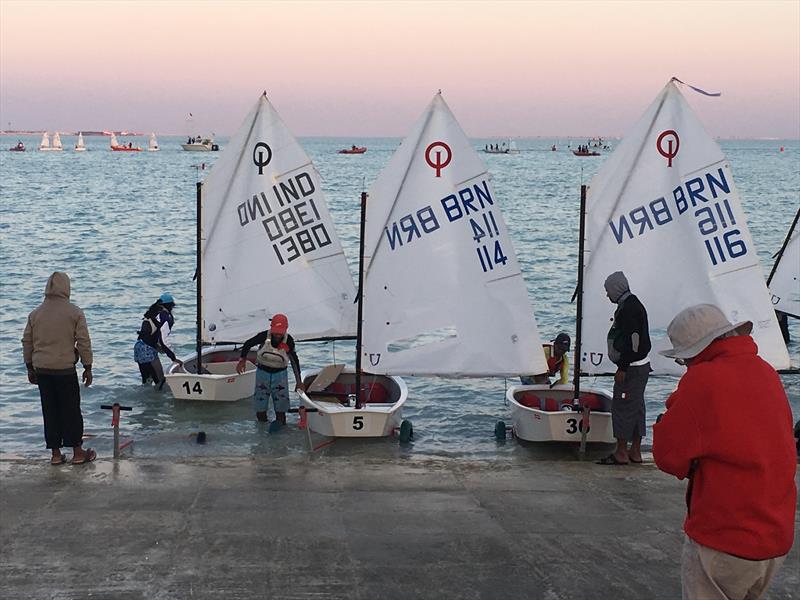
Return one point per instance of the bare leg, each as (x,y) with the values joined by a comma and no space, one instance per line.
(621,453)
(635,453)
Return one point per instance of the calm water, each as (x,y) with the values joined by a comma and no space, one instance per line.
(122,225)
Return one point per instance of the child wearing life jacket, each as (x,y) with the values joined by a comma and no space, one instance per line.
(275,352)
(156,327)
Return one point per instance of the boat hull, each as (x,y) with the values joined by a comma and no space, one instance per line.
(79,149)
(200,147)
(373,419)
(124,149)
(51,149)
(545,421)
(221,384)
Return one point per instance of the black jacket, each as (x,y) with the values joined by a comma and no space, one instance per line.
(629,336)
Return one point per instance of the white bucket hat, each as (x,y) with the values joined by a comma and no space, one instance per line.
(694,328)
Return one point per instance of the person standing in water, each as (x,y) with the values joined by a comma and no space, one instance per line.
(276,349)
(153,338)
(629,349)
(56,336)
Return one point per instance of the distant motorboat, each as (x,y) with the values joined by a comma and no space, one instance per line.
(200,144)
(585,153)
(509,147)
(153,145)
(353,150)
(117,147)
(20,147)
(45,145)
(79,145)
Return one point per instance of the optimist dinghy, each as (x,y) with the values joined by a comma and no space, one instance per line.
(435,256)
(265,244)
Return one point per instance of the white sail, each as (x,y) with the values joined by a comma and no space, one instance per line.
(80,143)
(443,293)
(664,209)
(785,283)
(57,141)
(113,140)
(153,145)
(268,242)
(45,143)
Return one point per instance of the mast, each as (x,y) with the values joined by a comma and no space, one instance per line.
(576,380)
(360,324)
(198,277)
(779,255)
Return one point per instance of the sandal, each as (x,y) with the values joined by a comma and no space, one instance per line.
(88,456)
(610,460)
(59,460)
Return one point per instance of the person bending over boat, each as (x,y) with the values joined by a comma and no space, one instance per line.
(275,351)
(728,430)
(629,349)
(555,353)
(153,338)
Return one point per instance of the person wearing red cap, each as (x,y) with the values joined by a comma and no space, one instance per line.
(275,352)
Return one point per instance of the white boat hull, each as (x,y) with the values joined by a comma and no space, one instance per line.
(373,419)
(221,384)
(80,149)
(51,149)
(533,424)
(197,147)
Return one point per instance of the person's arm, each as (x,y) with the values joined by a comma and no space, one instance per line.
(564,369)
(164,331)
(677,439)
(83,344)
(27,350)
(295,360)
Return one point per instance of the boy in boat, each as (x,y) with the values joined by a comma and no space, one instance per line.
(275,351)
(629,349)
(741,497)
(555,353)
(153,335)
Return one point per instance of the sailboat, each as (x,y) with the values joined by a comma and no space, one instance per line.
(153,144)
(784,279)
(57,143)
(44,145)
(79,145)
(664,209)
(265,244)
(442,294)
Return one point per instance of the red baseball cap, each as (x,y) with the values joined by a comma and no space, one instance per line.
(279,323)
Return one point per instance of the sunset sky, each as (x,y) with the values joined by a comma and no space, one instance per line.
(369,68)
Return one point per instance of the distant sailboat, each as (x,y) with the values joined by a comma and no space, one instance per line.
(153,146)
(784,280)
(79,145)
(45,145)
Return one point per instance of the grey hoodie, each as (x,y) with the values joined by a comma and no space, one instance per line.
(56,334)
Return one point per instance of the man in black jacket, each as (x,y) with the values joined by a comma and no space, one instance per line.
(628,348)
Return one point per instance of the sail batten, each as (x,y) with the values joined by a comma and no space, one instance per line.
(664,209)
(443,292)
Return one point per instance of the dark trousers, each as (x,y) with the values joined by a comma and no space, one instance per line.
(61,409)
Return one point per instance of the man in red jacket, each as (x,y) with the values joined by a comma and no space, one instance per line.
(728,429)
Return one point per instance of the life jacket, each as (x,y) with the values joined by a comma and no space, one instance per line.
(273,358)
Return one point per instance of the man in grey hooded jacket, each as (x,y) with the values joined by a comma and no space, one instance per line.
(56,335)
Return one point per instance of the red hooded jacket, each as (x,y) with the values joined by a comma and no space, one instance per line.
(728,427)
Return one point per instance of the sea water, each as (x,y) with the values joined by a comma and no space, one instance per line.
(122,225)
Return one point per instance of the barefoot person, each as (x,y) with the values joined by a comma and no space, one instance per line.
(55,336)
(628,348)
(728,430)
(154,338)
(275,352)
